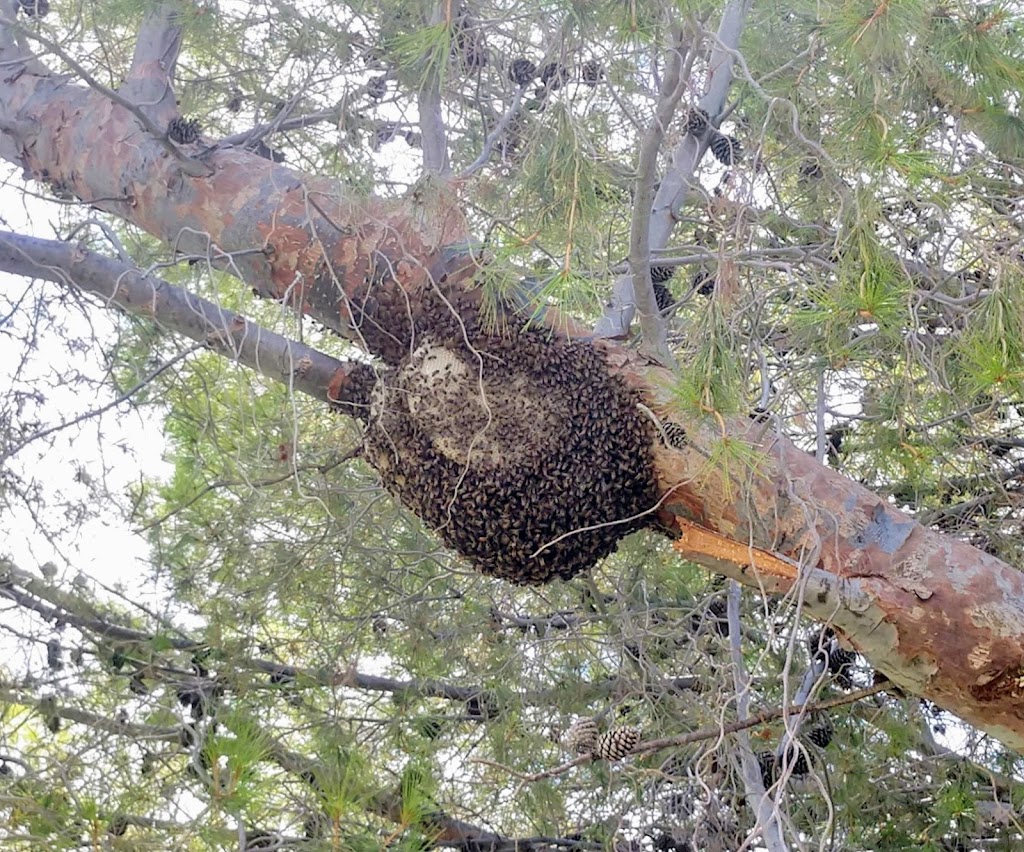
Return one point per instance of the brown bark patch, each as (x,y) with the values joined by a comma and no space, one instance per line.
(1003,684)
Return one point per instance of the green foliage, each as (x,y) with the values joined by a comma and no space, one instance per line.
(356,683)
(712,378)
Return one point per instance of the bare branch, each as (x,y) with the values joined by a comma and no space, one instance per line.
(302,368)
(494,136)
(767,820)
(432,127)
(96,412)
(149,82)
(652,325)
(674,186)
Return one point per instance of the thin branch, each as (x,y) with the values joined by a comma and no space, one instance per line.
(52,604)
(652,324)
(449,830)
(494,136)
(767,820)
(712,733)
(96,412)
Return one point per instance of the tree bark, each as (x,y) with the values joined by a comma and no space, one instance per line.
(940,618)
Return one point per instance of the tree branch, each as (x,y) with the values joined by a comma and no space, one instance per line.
(302,368)
(674,186)
(450,831)
(54,605)
(149,82)
(652,324)
(767,819)
(434,133)
(188,165)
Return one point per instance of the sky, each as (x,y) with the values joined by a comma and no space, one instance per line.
(74,469)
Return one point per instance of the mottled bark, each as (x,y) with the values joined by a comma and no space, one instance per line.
(300,239)
(942,619)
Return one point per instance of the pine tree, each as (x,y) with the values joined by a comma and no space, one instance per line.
(326,626)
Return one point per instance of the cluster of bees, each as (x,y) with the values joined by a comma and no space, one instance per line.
(519,449)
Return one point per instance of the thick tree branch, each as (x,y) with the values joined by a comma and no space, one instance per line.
(284,232)
(188,165)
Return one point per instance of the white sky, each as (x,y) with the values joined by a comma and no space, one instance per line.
(107,453)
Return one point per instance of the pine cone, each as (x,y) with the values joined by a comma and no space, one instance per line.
(810,169)
(662,273)
(821,735)
(796,764)
(522,71)
(662,296)
(469,41)
(377,87)
(53,655)
(581,737)
(234,103)
(703,283)
(824,646)
(797,760)
(718,615)
(34,8)
(616,743)
(697,122)
(385,132)
(673,434)
(727,149)
(840,659)
(474,52)
(591,72)
(553,75)
(184,131)
(766,763)
(820,643)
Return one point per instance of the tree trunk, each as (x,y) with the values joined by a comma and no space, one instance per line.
(941,619)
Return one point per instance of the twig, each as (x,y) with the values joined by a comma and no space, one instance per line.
(494,136)
(88,415)
(715,732)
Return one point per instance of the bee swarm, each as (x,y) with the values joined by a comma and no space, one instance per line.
(510,444)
